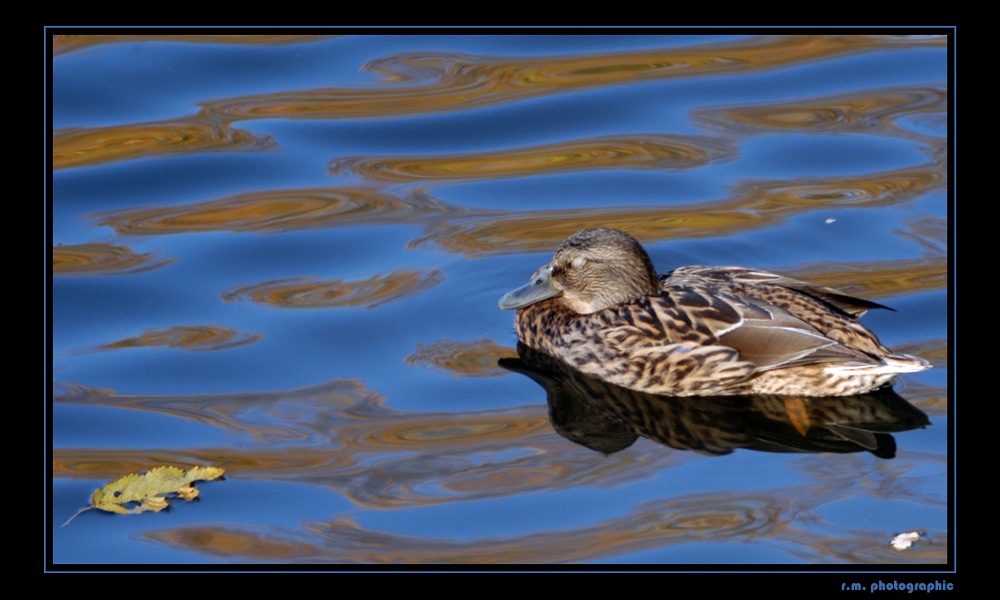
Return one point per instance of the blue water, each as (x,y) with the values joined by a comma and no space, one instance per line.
(329,414)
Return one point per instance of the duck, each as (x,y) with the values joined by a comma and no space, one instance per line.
(600,307)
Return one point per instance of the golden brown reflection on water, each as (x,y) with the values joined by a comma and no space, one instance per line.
(871,110)
(302,414)
(280,210)
(752,205)
(62,44)
(423,83)
(643,151)
(193,338)
(102,259)
(782,518)
(882,279)
(477,358)
(298,463)
(306,293)
(654,525)
(79,147)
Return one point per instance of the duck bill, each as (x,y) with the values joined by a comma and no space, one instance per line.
(540,288)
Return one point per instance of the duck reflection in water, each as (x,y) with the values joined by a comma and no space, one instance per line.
(599,306)
(609,418)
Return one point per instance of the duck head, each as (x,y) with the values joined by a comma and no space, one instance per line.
(592,270)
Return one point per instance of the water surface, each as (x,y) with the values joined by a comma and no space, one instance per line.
(281,255)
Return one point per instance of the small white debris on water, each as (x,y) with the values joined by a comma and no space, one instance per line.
(830,220)
(905,540)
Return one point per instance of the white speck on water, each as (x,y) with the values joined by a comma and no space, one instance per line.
(905,540)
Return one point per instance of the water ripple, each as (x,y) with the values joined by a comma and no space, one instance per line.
(77,147)
(305,292)
(193,338)
(724,517)
(867,112)
(477,358)
(420,83)
(630,152)
(376,456)
(754,204)
(64,44)
(102,259)
(879,279)
(293,414)
(277,211)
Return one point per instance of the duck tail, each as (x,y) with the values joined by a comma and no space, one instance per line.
(892,364)
(906,363)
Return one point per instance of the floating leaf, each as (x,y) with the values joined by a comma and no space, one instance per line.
(150,491)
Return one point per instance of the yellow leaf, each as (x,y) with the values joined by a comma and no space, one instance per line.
(154,504)
(188,492)
(150,491)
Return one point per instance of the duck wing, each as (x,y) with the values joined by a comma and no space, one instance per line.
(770,287)
(772,338)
